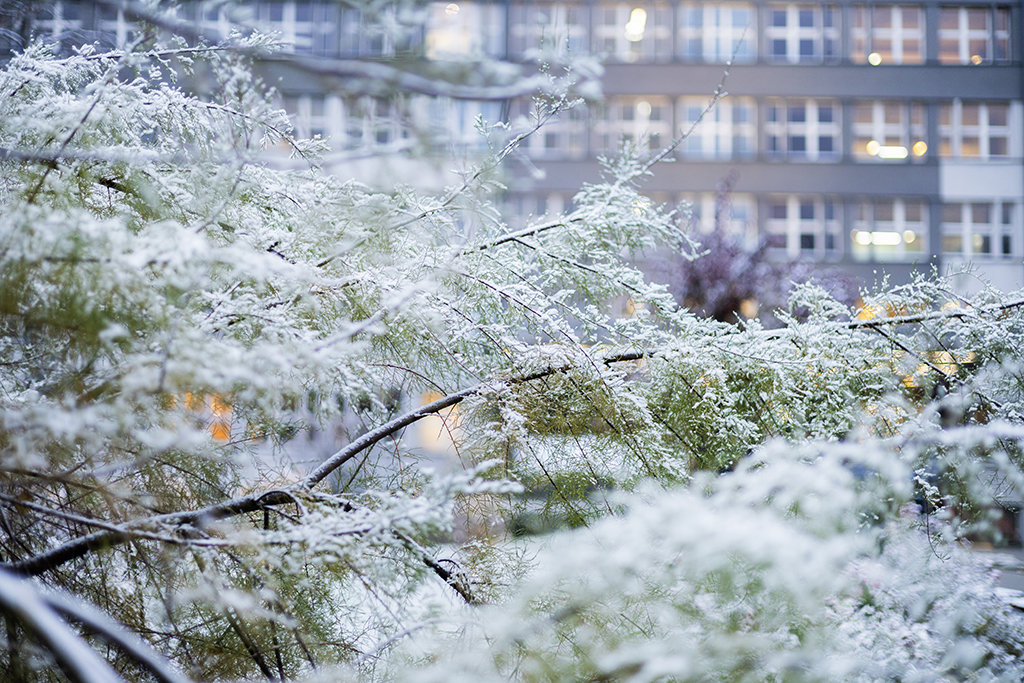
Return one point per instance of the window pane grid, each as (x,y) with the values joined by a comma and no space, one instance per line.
(889,229)
(887,34)
(728,131)
(889,131)
(804,226)
(975,130)
(561,28)
(797,34)
(713,33)
(639,32)
(802,130)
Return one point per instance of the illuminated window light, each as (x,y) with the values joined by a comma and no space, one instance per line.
(643,107)
(976,59)
(920,148)
(451,9)
(892,152)
(872,147)
(874,59)
(861,237)
(637,24)
(909,236)
(886,239)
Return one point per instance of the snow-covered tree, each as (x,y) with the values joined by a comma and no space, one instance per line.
(746,504)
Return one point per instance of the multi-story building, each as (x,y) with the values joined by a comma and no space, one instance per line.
(873,136)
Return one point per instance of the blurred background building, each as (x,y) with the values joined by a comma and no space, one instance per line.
(875,137)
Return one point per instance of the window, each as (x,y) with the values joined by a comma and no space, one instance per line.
(561,28)
(974,35)
(352,123)
(807,226)
(634,120)
(734,213)
(888,130)
(59,22)
(727,131)
(715,32)
(807,130)
(978,229)
(521,208)
(977,130)
(801,33)
(314,115)
(113,29)
(887,34)
(453,122)
(633,32)
(309,28)
(466,29)
(563,136)
(889,229)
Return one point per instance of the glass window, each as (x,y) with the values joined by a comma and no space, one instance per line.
(804,226)
(715,32)
(888,131)
(636,120)
(728,131)
(633,32)
(562,136)
(889,230)
(887,34)
(974,35)
(561,28)
(809,130)
(475,30)
(971,230)
(802,34)
(976,130)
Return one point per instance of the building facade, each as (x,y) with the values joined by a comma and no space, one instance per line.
(878,137)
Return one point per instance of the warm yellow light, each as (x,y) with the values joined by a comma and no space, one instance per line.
(636,25)
(892,152)
(861,237)
(976,59)
(920,148)
(873,147)
(874,59)
(909,236)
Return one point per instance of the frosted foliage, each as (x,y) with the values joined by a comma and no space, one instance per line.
(640,496)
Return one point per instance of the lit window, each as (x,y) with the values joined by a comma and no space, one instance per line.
(561,28)
(974,35)
(474,29)
(888,130)
(802,33)
(715,32)
(806,130)
(887,34)
(978,130)
(807,226)
(636,120)
(889,230)
(727,131)
(640,32)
